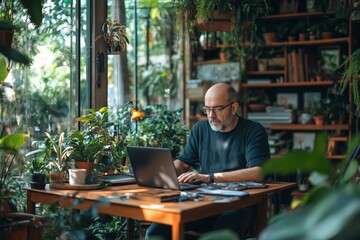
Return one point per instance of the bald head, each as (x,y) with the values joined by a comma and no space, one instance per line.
(222,91)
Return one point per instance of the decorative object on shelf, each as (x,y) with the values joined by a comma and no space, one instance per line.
(350,75)
(114,36)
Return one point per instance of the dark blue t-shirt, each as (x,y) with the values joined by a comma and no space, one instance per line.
(244,147)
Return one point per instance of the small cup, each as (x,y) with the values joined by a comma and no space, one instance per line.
(77,176)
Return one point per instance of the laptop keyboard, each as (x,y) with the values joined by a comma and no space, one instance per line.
(184,186)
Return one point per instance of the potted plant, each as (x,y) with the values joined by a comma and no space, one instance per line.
(106,137)
(114,36)
(318,111)
(159,127)
(241,15)
(85,148)
(57,153)
(37,168)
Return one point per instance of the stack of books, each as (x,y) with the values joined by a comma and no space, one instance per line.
(280,115)
(277,142)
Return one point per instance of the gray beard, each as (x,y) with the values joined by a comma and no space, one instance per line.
(222,126)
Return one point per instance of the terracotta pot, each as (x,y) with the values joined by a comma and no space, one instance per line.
(319,120)
(223,56)
(89,166)
(270,37)
(56,177)
(217,22)
(326,35)
(312,37)
(291,38)
(302,36)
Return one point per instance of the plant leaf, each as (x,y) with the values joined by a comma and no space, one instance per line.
(34,10)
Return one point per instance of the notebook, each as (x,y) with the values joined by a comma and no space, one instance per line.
(154,167)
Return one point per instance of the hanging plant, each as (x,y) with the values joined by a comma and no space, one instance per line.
(114,35)
(350,75)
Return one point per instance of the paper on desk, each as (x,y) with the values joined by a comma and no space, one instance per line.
(222,192)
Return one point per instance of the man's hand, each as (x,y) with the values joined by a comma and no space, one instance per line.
(193,176)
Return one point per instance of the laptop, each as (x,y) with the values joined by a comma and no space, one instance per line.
(154,167)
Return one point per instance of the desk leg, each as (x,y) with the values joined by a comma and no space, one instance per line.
(130,229)
(261,216)
(178,231)
(30,205)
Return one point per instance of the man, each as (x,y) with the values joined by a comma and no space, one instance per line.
(227,148)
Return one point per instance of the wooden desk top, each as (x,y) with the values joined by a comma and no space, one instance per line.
(115,193)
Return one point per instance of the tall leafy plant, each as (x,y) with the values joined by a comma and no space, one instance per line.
(331,209)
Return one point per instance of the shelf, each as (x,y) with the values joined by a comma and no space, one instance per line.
(288,16)
(308,42)
(290,84)
(270,72)
(336,157)
(212,61)
(310,127)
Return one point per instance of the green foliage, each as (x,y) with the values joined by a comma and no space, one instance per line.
(85,146)
(246,12)
(57,152)
(99,133)
(9,149)
(350,75)
(159,128)
(332,203)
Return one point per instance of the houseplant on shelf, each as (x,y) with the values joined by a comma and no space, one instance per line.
(319,112)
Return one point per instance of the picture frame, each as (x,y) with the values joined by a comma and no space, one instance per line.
(303,141)
(329,60)
(287,100)
(310,97)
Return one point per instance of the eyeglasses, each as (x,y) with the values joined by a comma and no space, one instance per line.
(216,110)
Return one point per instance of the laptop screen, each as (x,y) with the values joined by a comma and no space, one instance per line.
(153,167)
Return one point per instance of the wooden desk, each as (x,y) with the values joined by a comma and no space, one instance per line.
(175,214)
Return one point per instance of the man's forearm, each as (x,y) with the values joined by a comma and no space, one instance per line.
(243,175)
(181,167)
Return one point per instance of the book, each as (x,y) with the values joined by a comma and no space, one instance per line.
(157,195)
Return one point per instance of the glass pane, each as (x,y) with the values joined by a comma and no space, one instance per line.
(152,60)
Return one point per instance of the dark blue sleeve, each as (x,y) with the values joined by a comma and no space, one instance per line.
(257,146)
